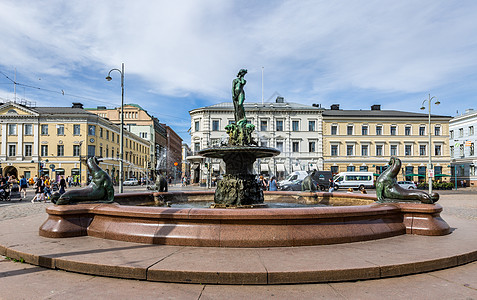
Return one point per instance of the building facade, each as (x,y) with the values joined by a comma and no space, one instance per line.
(140,122)
(294,129)
(462,148)
(56,141)
(364,140)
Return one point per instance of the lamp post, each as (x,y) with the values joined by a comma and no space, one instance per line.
(429,166)
(121,140)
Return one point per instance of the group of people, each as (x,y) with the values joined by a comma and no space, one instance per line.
(268,185)
(43,187)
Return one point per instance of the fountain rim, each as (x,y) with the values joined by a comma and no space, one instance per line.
(221,151)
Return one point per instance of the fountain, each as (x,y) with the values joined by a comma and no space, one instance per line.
(350,217)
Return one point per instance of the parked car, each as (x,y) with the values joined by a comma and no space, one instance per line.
(131,181)
(355,180)
(291,179)
(293,185)
(409,185)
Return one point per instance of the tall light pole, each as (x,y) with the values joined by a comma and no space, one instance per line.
(121,140)
(429,166)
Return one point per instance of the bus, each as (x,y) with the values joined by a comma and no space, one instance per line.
(355,180)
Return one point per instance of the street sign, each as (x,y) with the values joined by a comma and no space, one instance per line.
(430,173)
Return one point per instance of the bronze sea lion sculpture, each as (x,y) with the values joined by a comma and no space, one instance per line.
(308,184)
(387,189)
(99,190)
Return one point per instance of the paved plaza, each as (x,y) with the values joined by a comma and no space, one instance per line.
(23,281)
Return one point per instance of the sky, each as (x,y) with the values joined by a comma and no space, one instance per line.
(182,55)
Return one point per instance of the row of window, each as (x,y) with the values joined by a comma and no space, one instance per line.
(379,150)
(60,151)
(379,169)
(462,150)
(470,131)
(295,125)
(393,130)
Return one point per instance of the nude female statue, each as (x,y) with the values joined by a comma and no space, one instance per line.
(238,95)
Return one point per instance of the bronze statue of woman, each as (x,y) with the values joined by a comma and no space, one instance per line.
(238,95)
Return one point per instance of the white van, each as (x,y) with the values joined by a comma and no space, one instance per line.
(355,180)
(296,175)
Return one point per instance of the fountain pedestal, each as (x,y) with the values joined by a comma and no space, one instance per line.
(239,186)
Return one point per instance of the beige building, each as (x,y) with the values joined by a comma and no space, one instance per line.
(57,140)
(364,140)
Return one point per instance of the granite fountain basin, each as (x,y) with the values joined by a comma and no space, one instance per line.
(347,218)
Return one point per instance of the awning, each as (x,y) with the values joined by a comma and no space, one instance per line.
(442,175)
(413,174)
(216,167)
(264,167)
(280,168)
(296,168)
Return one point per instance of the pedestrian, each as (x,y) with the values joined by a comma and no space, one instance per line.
(273,184)
(332,186)
(47,188)
(39,191)
(263,183)
(23,186)
(62,185)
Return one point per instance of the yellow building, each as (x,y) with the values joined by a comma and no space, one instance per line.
(364,140)
(56,141)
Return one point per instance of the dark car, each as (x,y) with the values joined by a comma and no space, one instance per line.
(295,185)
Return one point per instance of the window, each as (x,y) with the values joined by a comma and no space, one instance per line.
(197,126)
(101,132)
(295,147)
(215,125)
(12,129)
(437,150)
(407,130)
(364,130)
(422,150)
(349,150)
(472,152)
(437,170)
(101,151)
(91,129)
(280,146)
(349,130)
(295,125)
(279,124)
(76,150)
(452,151)
(107,135)
(364,150)
(44,129)
(393,150)
(311,125)
(197,147)
(451,133)
(379,150)
(409,170)
(28,129)
(12,150)
(334,150)
(334,169)
(263,125)
(44,150)
(379,130)
(363,168)
(107,151)
(393,130)
(60,150)
(422,130)
(334,129)
(76,129)
(350,168)
(461,132)
(91,150)
(461,148)
(437,130)
(408,150)
(141,134)
(264,143)
(311,147)
(471,130)
(28,150)
(60,129)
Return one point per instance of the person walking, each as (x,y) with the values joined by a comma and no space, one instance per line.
(273,184)
(62,185)
(39,191)
(23,186)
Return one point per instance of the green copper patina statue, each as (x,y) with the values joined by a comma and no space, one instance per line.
(240,132)
(387,189)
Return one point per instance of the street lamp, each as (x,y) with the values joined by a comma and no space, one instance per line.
(121,145)
(429,166)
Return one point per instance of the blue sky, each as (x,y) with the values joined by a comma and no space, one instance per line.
(180,55)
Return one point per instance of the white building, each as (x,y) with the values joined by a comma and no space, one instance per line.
(462,147)
(294,129)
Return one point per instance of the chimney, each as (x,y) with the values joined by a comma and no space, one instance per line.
(335,107)
(376,107)
(77,105)
(280,99)
(101,107)
(316,105)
